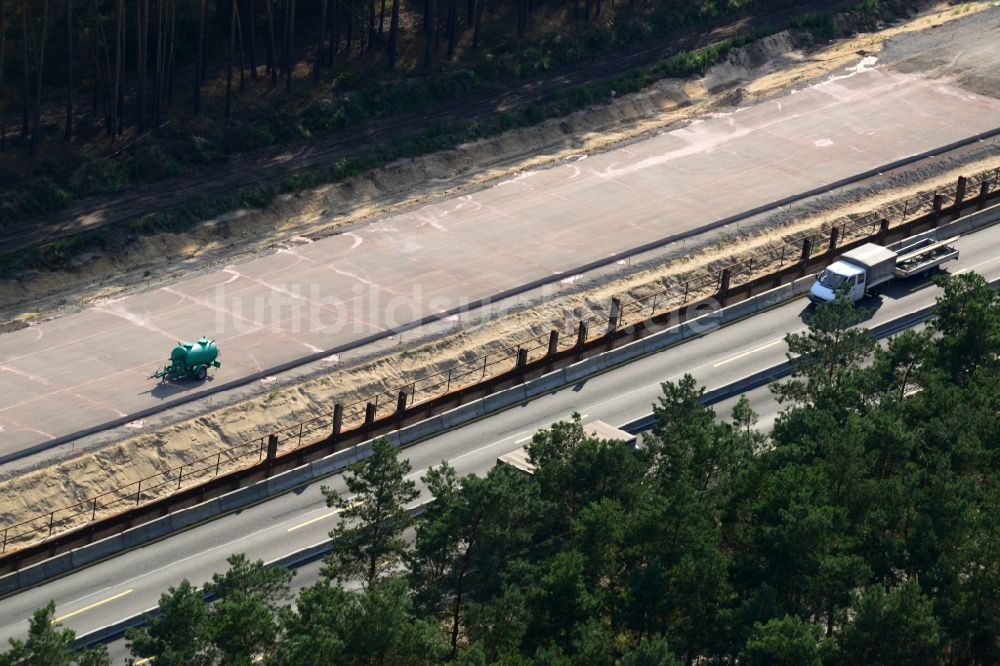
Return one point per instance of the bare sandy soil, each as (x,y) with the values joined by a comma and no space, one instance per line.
(770,67)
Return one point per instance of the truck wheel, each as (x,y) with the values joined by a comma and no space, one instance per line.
(202,373)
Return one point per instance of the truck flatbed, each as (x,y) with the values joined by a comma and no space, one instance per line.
(923,256)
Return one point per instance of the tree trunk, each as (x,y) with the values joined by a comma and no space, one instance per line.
(100,82)
(200,66)
(381,18)
(361,26)
(475,30)
(26,93)
(253,39)
(393,35)
(239,38)
(142,25)
(95,44)
(272,65)
(229,69)
(290,62)
(158,64)
(457,605)
(171,60)
(597,8)
(36,133)
(69,70)
(334,33)
(3,64)
(470,12)
(318,65)
(117,94)
(437,27)
(452,22)
(284,39)
(429,31)
(350,26)
(371,23)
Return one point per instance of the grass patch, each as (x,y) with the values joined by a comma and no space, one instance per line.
(818,24)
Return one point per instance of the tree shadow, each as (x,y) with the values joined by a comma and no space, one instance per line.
(175,387)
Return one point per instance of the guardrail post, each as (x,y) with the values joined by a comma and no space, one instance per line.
(614,314)
(834,237)
(724,280)
(963,182)
(338,419)
(807,248)
(522,361)
(401,402)
(272,453)
(369,415)
(581,338)
(883,230)
(984,191)
(937,206)
(553,343)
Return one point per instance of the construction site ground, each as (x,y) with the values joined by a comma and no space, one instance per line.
(79,469)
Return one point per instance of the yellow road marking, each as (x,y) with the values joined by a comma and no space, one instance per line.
(747,353)
(92,606)
(522,441)
(144,660)
(319,518)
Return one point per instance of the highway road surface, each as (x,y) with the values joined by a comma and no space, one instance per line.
(309,299)
(132,582)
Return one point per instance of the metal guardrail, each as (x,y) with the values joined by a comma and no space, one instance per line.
(796,251)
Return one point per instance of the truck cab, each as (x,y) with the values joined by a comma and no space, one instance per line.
(840,275)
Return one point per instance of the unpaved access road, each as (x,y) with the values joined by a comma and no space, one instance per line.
(85,370)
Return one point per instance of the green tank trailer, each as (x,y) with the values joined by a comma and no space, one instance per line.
(190,359)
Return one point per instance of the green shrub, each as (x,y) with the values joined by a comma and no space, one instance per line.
(97,176)
(151,163)
(818,24)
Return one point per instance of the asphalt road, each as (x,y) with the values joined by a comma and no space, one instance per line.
(81,371)
(130,583)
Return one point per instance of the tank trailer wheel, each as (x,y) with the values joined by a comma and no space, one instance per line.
(202,373)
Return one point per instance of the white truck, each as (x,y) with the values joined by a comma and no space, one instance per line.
(862,270)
